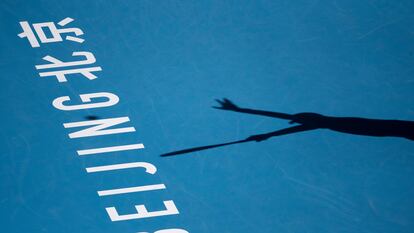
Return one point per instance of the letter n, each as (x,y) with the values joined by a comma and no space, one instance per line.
(99,127)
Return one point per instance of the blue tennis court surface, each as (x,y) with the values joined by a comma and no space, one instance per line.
(95,92)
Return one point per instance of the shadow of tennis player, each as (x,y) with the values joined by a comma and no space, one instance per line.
(312,121)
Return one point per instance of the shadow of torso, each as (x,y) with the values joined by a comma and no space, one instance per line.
(357,125)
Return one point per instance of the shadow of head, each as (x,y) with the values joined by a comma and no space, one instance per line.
(308,118)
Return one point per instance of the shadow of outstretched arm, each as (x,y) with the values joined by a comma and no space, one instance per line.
(227,105)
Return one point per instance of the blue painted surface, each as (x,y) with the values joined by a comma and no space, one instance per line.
(168,61)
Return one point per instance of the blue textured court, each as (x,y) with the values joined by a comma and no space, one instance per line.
(168,61)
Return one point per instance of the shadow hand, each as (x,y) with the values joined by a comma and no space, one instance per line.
(226,104)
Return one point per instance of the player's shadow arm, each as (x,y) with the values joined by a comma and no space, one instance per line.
(226,104)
